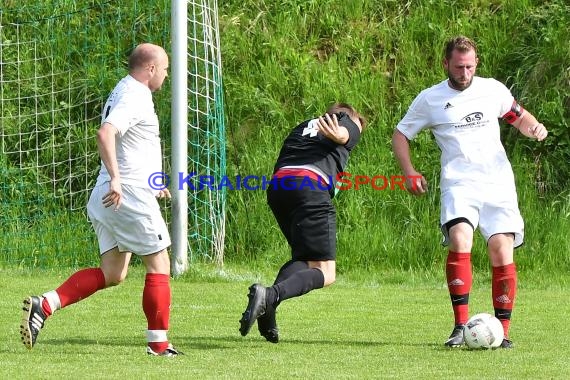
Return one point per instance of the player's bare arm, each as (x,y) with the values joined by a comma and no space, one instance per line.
(529,126)
(106,146)
(415,181)
(329,127)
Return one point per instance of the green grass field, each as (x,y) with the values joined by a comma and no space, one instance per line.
(352,330)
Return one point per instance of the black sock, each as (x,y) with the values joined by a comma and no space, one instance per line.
(289,268)
(296,285)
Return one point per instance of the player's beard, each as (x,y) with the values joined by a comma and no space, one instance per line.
(459,86)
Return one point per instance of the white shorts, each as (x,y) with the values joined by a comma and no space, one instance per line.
(137,226)
(493,208)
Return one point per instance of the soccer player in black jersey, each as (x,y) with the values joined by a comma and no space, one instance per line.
(299,196)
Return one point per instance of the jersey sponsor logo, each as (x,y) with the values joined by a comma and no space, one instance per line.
(473,120)
(311,129)
(473,117)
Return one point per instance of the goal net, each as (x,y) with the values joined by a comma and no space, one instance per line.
(59,59)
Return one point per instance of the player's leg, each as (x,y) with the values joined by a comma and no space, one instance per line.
(504,280)
(83,283)
(267,323)
(156,303)
(313,240)
(459,218)
(309,275)
(77,287)
(112,270)
(281,204)
(503,228)
(311,231)
(459,275)
(147,236)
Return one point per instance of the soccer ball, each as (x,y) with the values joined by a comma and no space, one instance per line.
(483,331)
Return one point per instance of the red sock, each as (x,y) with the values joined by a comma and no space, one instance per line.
(156,307)
(79,285)
(459,281)
(504,290)
(46,307)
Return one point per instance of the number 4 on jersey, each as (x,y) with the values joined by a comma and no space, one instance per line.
(311,129)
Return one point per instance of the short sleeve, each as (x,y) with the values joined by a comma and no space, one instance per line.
(123,114)
(504,97)
(416,119)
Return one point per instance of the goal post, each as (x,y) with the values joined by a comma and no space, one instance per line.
(179,262)
(59,60)
(198,119)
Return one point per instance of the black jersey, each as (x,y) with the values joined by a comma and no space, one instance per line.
(304,146)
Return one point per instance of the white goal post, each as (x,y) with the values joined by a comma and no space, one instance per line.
(198,124)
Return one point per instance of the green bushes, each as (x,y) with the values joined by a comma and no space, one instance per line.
(286,62)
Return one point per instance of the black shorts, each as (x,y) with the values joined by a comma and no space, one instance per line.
(307,218)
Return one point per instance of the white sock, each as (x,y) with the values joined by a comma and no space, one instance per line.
(156,336)
(53,300)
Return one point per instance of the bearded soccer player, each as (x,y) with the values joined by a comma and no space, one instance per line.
(123,208)
(300,197)
(477,182)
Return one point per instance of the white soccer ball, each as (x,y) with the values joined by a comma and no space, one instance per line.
(483,331)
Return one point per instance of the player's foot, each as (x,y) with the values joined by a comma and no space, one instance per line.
(267,326)
(255,308)
(507,343)
(170,351)
(456,338)
(33,320)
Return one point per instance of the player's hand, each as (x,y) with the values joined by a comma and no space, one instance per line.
(328,127)
(164,193)
(114,196)
(416,183)
(538,131)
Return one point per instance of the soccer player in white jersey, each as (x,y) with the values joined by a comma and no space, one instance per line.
(477,182)
(122,207)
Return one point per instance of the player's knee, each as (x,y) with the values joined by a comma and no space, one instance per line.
(157,263)
(460,235)
(501,256)
(460,246)
(460,242)
(114,279)
(500,249)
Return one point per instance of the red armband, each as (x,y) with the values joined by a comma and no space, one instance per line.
(515,112)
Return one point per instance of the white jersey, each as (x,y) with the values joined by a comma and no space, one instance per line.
(130,109)
(466,128)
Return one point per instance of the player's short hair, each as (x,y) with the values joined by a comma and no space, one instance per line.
(349,110)
(142,55)
(459,43)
